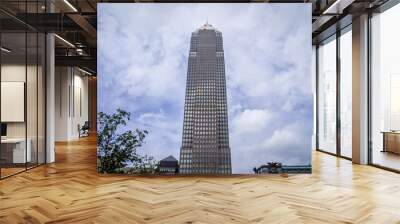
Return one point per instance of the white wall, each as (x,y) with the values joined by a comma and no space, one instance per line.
(71,94)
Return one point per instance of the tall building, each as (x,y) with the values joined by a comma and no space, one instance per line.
(205,140)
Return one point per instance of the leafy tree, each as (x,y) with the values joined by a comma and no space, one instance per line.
(116,150)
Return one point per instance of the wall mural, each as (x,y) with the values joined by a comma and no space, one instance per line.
(204,89)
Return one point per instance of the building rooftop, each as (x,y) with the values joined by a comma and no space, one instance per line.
(207,26)
(169,159)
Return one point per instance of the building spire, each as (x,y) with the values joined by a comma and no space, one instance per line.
(207,26)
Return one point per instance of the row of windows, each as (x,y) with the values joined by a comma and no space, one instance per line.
(199,103)
(213,110)
(204,163)
(193,130)
(199,144)
(199,106)
(194,84)
(204,107)
(211,79)
(195,118)
(186,168)
(219,56)
(203,137)
(209,167)
(214,153)
(223,148)
(204,134)
(221,139)
(217,77)
(215,82)
(191,148)
(202,116)
(196,115)
(207,128)
(204,124)
(211,91)
(215,64)
(204,85)
(210,72)
(205,97)
(205,112)
(207,159)
(213,100)
(222,153)
(219,143)
(191,171)
(203,121)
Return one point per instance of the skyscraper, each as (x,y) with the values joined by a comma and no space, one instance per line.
(205,140)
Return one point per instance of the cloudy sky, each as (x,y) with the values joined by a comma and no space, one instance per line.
(142,64)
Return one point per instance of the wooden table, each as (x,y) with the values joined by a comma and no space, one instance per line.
(391,141)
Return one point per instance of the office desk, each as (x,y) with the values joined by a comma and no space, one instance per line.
(391,142)
(13,150)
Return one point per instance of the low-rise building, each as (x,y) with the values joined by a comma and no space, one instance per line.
(169,165)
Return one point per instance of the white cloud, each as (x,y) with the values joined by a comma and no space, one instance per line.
(282,138)
(251,121)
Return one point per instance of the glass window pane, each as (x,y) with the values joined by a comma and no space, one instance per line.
(31,97)
(13,86)
(346,93)
(327,96)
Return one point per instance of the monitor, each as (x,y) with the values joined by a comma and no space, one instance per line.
(3,129)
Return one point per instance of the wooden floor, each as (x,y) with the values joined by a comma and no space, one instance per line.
(5,172)
(386,159)
(70,191)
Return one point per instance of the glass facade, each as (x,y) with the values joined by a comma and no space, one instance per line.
(334,70)
(383,94)
(205,140)
(385,89)
(22,87)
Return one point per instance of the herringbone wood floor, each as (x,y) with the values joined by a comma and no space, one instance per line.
(70,191)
